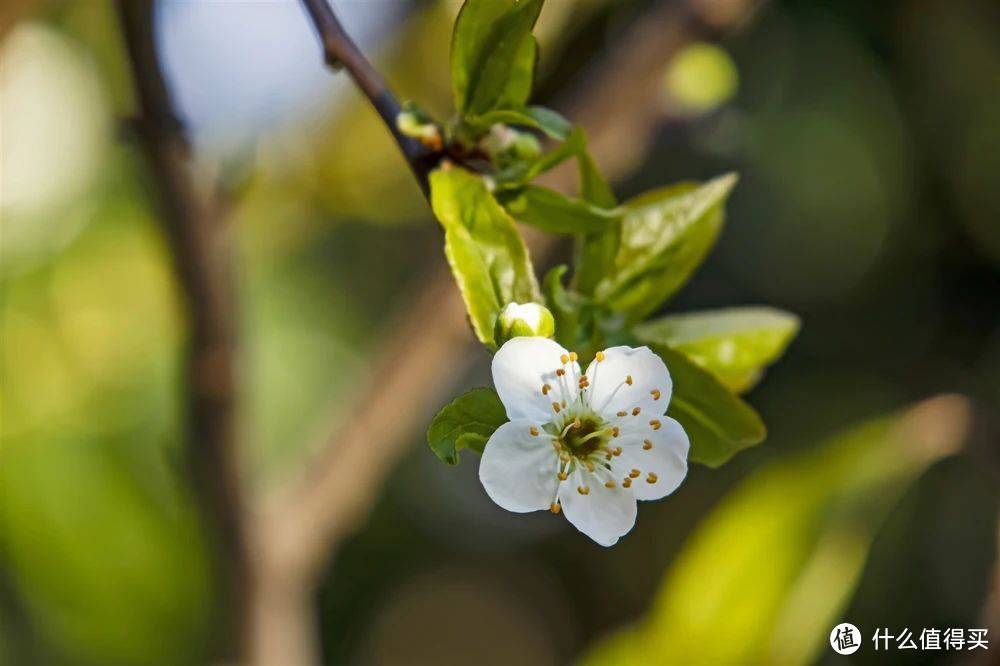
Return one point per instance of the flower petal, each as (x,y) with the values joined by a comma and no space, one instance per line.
(521,367)
(604,514)
(518,469)
(610,393)
(662,452)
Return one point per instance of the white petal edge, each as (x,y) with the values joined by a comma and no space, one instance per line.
(667,458)
(518,470)
(520,368)
(651,386)
(603,514)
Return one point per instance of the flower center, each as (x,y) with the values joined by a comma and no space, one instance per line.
(584,436)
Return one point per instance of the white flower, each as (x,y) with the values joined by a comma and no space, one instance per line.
(588,445)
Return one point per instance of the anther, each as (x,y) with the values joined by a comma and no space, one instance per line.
(560,372)
(599,356)
(635,411)
(534,431)
(626,482)
(628,380)
(651,478)
(562,476)
(573,356)
(564,359)
(647,445)
(545,389)
(655,393)
(555,406)
(656,424)
(590,466)
(617,450)
(577,423)
(634,474)
(609,484)
(583,490)
(554,508)
(621,414)
(615,431)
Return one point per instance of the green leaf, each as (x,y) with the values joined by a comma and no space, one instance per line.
(562,306)
(465,423)
(771,570)
(493,54)
(536,117)
(735,344)
(550,211)
(666,234)
(716,420)
(486,253)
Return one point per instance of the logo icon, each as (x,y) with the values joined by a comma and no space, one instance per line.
(845,638)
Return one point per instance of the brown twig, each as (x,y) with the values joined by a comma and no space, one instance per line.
(299,526)
(340,51)
(200,250)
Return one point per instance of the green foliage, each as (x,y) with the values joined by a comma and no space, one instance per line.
(628,258)
(665,236)
(735,344)
(768,573)
(717,421)
(487,255)
(465,423)
(493,55)
(550,211)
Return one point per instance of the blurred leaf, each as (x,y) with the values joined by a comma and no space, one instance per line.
(560,303)
(109,573)
(735,344)
(666,234)
(767,575)
(536,117)
(551,211)
(493,54)
(486,253)
(465,423)
(717,421)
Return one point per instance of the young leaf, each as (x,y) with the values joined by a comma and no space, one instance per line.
(465,423)
(665,236)
(564,310)
(718,422)
(550,211)
(735,344)
(486,253)
(493,54)
(536,117)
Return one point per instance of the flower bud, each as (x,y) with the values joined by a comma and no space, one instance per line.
(518,320)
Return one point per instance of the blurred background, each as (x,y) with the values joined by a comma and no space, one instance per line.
(868,140)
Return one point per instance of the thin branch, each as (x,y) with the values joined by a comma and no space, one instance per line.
(201,255)
(340,51)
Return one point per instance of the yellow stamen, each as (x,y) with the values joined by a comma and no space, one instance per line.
(651,478)
(635,412)
(573,356)
(554,508)
(560,372)
(621,414)
(614,431)
(564,359)
(626,482)
(599,356)
(656,424)
(634,474)
(555,406)
(655,393)
(545,389)
(583,490)
(647,445)
(609,484)
(617,451)
(534,431)
(562,476)
(590,466)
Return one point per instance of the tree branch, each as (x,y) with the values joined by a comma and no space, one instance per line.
(201,254)
(340,51)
